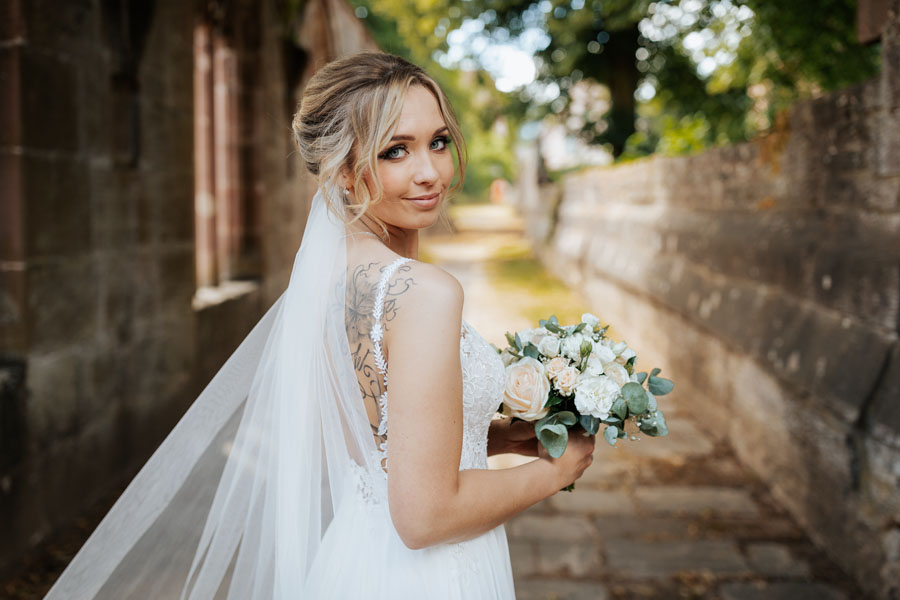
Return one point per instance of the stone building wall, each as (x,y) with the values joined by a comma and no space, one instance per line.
(103,343)
(765,279)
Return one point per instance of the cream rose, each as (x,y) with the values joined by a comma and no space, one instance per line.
(617,373)
(566,380)
(555,366)
(549,346)
(595,395)
(626,354)
(527,388)
(533,335)
(594,366)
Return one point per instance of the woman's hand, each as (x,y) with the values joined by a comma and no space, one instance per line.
(506,436)
(577,457)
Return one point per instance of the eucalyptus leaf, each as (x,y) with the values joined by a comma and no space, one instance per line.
(579,327)
(531,351)
(554,437)
(610,434)
(641,377)
(552,327)
(655,371)
(660,386)
(635,397)
(619,408)
(651,402)
(566,417)
(554,400)
(518,342)
(621,433)
(553,320)
(511,339)
(590,424)
(612,420)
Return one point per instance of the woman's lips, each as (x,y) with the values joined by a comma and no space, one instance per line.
(429,201)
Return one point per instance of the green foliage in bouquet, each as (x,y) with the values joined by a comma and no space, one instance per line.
(634,402)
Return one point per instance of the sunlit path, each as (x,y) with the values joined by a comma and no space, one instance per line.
(674,517)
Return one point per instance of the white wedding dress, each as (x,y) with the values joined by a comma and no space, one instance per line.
(362,556)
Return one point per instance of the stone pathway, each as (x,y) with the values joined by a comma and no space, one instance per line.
(673,517)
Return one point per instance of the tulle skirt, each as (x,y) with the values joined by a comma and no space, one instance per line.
(362,556)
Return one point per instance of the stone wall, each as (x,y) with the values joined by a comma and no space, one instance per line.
(765,279)
(101,346)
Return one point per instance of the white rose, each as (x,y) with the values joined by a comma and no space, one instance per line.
(619,347)
(571,346)
(590,319)
(549,346)
(527,389)
(555,366)
(507,357)
(623,358)
(567,380)
(595,395)
(616,372)
(603,353)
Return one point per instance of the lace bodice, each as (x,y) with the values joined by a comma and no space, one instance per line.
(483,379)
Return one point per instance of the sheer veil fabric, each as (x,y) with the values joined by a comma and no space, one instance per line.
(236,500)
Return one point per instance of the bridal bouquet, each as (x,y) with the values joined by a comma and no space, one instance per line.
(559,376)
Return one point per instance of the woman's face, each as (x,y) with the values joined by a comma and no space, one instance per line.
(417,165)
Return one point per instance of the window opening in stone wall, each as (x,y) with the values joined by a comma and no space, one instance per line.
(226,188)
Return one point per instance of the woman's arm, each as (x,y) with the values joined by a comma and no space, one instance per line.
(431,501)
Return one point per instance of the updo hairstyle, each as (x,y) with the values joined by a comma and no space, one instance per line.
(348,114)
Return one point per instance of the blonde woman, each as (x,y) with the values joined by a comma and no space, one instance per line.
(342,450)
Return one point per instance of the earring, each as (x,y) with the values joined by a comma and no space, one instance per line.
(346,191)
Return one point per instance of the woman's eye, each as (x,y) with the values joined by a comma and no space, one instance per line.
(440,143)
(393,153)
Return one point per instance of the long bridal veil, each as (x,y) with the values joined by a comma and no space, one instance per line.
(235,501)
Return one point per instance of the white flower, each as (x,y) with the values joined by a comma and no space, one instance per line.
(590,319)
(533,335)
(616,372)
(508,358)
(527,389)
(555,366)
(567,380)
(549,346)
(623,358)
(594,365)
(571,346)
(595,395)
(619,347)
(603,353)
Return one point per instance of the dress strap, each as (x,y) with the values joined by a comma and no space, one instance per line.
(377,333)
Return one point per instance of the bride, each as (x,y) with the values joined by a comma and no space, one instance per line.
(293,475)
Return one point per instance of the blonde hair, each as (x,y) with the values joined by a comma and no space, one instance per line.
(348,113)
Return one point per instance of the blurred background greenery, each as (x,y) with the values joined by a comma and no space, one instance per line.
(614,80)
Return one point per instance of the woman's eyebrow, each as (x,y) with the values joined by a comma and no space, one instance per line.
(412,138)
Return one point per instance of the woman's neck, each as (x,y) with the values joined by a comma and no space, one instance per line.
(404,242)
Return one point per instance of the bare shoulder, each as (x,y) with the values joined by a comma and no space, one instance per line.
(434,299)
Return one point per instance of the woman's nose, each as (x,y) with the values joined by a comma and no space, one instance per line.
(426,173)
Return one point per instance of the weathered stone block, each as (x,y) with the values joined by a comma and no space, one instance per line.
(587,501)
(696,499)
(49,120)
(775,560)
(57,198)
(61,307)
(551,528)
(559,589)
(567,558)
(664,558)
(780,591)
